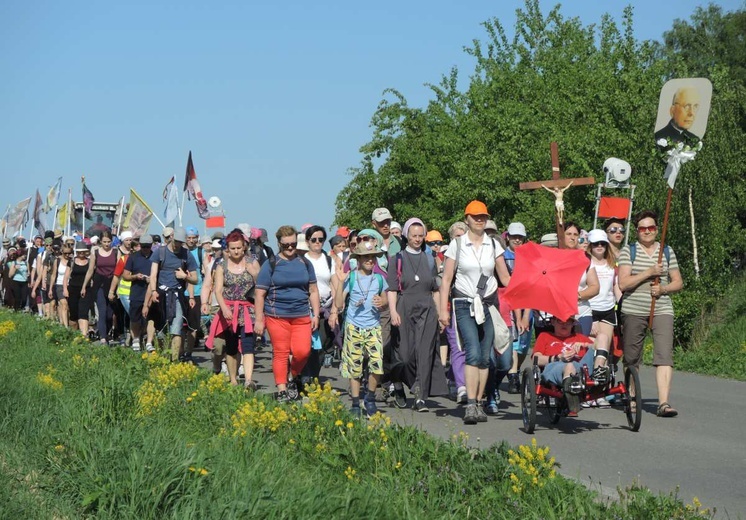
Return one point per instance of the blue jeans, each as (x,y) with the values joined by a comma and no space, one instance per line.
(553,371)
(476,339)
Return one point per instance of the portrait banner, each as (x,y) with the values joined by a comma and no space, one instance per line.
(18,217)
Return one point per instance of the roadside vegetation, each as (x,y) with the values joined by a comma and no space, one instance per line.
(89,431)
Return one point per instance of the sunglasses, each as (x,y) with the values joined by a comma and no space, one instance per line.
(581,240)
(616,230)
(598,244)
(291,245)
(647,229)
(316,240)
(146,245)
(436,243)
(67,254)
(365,238)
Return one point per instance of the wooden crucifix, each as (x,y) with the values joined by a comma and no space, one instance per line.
(557,186)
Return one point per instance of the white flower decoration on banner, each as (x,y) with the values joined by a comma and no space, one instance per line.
(678,155)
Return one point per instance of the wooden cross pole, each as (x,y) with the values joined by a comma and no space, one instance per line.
(558,185)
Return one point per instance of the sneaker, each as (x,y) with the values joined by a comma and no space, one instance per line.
(149,348)
(370,407)
(497,396)
(328,359)
(283,397)
(420,406)
(588,404)
(400,399)
(602,403)
(481,416)
(514,386)
(601,375)
(186,358)
(135,347)
(356,412)
(461,395)
(292,390)
(491,407)
(470,414)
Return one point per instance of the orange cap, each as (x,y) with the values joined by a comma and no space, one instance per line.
(433,236)
(476,207)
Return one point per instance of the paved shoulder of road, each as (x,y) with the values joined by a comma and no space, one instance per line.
(702,451)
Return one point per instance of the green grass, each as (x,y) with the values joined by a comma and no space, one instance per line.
(718,344)
(92,432)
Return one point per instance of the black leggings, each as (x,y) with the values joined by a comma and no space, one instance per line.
(20,294)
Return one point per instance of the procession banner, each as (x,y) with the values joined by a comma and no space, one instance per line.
(171,198)
(18,217)
(53,196)
(139,215)
(38,208)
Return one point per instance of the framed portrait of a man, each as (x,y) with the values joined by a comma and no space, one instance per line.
(683,110)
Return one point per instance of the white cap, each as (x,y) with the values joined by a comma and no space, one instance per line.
(216,244)
(516,228)
(598,235)
(94,239)
(302,245)
(245,229)
(549,240)
(125,235)
(395,225)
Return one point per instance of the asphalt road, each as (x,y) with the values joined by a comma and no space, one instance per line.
(702,451)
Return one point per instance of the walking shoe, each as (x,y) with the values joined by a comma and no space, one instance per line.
(135,347)
(497,396)
(282,397)
(370,407)
(491,407)
(602,403)
(601,375)
(420,406)
(292,390)
(461,395)
(400,399)
(514,386)
(328,359)
(356,412)
(481,416)
(149,348)
(470,414)
(250,386)
(186,358)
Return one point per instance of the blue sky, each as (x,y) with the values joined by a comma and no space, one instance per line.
(273,98)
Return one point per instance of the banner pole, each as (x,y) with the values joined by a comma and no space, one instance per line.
(657,279)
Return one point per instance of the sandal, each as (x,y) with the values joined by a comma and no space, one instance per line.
(633,405)
(666,410)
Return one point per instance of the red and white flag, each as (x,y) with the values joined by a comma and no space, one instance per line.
(193,190)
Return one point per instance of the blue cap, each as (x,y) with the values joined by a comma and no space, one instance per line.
(191,231)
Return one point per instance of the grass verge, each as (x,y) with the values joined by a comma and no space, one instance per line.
(88,431)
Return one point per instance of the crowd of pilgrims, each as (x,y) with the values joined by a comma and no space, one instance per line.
(401,312)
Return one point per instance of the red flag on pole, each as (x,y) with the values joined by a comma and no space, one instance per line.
(193,189)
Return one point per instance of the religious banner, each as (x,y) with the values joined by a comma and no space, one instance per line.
(139,215)
(62,217)
(683,111)
(38,208)
(171,198)
(17,218)
(52,196)
(88,200)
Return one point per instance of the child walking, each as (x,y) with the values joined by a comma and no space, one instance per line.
(358,294)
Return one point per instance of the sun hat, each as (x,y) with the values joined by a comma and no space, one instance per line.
(597,235)
(217,244)
(180,234)
(218,235)
(476,207)
(366,249)
(490,224)
(245,228)
(168,232)
(380,214)
(146,239)
(411,222)
(517,229)
(395,225)
(125,235)
(433,236)
(549,240)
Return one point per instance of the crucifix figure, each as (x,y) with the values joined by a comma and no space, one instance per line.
(559,204)
(557,186)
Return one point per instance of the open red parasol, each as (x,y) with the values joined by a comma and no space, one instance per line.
(547,279)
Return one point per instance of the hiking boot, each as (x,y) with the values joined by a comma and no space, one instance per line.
(481,416)
(400,399)
(470,414)
(356,412)
(420,406)
(292,390)
(514,385)
(370,407)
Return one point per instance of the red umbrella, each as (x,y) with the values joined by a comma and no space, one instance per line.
(547,279)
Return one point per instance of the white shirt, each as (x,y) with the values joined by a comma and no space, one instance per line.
(474,262)
(323,275)
(584,306)
(605,299)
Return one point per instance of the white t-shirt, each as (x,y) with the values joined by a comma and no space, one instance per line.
(61,269)
(474,262)
(323,275)
(584,306)
(605,299)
